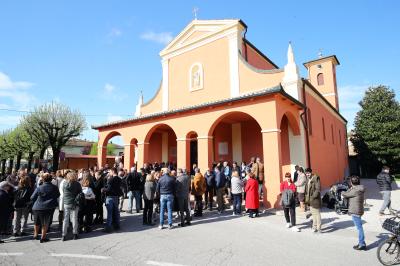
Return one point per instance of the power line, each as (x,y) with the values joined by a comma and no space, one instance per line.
(25,111)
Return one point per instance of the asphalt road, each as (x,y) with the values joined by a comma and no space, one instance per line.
(211,240)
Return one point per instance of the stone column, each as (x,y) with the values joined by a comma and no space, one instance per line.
(128,155)
(101,156)
(181,152)
(205,152)
(142,153)
(272,167)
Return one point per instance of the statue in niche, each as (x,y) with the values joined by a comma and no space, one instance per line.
(196,78)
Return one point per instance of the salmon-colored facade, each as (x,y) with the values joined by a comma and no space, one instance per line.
(221,99)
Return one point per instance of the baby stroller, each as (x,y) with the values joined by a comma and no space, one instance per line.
(341,205)
(334,199)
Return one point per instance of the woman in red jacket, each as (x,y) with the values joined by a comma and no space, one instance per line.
(288,190)
(252,197)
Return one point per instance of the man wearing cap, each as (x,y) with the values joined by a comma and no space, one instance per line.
(313,199)
(6,203)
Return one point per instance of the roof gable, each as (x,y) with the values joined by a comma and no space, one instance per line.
(196,31)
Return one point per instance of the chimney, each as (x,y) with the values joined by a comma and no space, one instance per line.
(322,75)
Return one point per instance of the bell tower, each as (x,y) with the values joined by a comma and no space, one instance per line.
(322,75)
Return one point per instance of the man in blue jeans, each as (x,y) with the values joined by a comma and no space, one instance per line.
(356,209)
(113,192)
(135,187)
(166,187)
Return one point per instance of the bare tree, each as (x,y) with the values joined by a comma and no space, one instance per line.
(58,123)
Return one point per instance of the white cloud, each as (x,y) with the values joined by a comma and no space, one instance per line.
(112,118)
(115,32)
(161,37)
(9,121)
(108,88)
(349,97)
(15,94)
(7,83)
(111,92)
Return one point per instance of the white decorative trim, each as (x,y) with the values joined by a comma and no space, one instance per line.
(234,63)
(329,94)
(182,139)
(129,145)
(205,137)
(165,81)
(270,130)
(206,29)
(199,44)
(219,25)
(143,143)
(201,77)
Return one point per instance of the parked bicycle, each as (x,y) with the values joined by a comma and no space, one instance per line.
(389,250)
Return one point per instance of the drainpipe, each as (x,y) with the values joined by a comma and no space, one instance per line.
(245,44)
(305,124)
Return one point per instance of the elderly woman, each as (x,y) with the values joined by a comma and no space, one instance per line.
(252,196)
(45,201)
(71,189)
(301,187)
(148,196)
(198,189)
(22,199)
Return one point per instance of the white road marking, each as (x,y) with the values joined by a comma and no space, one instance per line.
(159,263)
(11,253)
(80,256)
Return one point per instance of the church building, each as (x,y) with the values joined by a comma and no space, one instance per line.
(221,99)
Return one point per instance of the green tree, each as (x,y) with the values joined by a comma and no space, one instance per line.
(110,149)
(6,150)
(376,135)
(58,123)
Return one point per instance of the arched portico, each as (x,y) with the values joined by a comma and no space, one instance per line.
(102,147)
(161,144)
(292,145)
(236,137)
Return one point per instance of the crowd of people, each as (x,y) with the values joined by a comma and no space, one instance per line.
(81,195)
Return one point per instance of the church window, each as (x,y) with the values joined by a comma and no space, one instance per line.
(320,79)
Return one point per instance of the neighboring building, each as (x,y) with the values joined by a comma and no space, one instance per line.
(75,154)
(222,99)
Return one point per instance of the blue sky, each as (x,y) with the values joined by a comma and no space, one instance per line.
(96,56)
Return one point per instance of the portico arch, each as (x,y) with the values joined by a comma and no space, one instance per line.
(236,137)
(102,148)
(162,145)
(291,143)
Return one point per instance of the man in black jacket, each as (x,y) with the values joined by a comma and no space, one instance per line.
(384,181)
(112,191)
(7,208)
(98,185)
(135,187)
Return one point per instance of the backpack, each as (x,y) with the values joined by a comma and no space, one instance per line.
(287,198)
(80,200)
(21,198)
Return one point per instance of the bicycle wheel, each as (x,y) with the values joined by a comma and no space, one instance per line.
(388,252)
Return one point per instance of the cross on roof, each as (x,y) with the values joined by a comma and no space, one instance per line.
(320,53)
(195,10)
